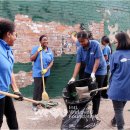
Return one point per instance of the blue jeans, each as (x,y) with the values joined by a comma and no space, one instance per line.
(118,109)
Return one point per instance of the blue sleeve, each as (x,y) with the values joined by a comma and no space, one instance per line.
(79,56)
(34,50)
(105,52)
(98,52)
(78,44)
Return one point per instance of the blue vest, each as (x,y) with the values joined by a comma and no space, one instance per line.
(93,52)
(47,58)
(119,86)
(6,66)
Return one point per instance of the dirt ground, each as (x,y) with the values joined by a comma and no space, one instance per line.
(51,118)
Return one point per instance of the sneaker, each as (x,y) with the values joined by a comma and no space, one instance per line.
(113,123)
(34,108)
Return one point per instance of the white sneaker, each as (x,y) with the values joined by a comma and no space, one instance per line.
(34,108)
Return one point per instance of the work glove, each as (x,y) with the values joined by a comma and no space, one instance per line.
(74,33)
(20,96)
(40,49)
(44,71)
(93,77)
(71,80)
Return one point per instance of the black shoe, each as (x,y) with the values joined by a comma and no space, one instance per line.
(113,123)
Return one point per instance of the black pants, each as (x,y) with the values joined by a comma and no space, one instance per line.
(105,83)
(7,109)
(38,88)
(96,99)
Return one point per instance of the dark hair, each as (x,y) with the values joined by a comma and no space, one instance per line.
(123,41)
(82,26)
(105,39)
(42,37)
(90,35)
(6,26)
(83,34)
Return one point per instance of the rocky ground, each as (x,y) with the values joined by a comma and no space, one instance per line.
(51,118)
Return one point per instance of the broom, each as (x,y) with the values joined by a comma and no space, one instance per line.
(44,94)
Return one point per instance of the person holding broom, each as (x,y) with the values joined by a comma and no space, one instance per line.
(47,58)
(7,38)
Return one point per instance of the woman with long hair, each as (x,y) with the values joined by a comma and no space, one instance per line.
(119,86)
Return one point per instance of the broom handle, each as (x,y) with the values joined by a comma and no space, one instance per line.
(16,96)
(42,69)
(99,89)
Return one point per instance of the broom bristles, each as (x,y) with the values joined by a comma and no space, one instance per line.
(45,96)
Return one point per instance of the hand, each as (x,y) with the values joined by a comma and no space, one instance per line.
(74,33)
(40,49)
(93,77)
(20,96)
(44,71)
(71,80)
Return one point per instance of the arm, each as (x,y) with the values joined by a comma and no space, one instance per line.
(77,66)
(50,65)
(106,57)
(74,38)
(15,88)
(96,65)
(105,53)
(76,70)
(13,84)
(35,53)
(97,55)
(34,56)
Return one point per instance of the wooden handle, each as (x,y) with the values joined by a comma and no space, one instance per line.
(99,89)
(16,96)
(42,74)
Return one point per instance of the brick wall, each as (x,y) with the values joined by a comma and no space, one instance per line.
(29,32)
(57,19)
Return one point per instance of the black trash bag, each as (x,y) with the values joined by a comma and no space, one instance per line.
(78,116)
(71,88)
(78,119)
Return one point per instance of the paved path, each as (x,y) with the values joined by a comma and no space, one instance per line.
(51,119)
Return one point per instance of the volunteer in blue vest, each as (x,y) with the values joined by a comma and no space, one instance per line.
(119,86)
(106,49)
(83,64)
(47,57)
(95,64)
(7,38)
